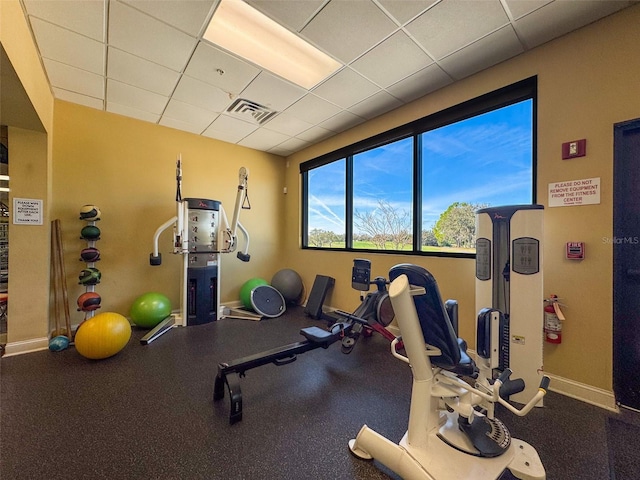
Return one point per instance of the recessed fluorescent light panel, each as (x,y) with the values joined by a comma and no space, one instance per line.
(244,31)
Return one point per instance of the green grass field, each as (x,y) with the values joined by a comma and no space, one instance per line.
(391,247)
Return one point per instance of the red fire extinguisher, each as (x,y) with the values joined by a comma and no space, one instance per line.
(553,319)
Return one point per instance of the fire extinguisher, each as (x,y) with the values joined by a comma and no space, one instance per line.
(553,319)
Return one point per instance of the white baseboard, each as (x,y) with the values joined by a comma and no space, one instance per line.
(580,391)
(26,346)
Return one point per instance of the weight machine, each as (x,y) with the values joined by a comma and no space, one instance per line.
(452,432)
(201,233)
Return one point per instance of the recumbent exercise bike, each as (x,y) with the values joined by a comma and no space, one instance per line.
(452,432)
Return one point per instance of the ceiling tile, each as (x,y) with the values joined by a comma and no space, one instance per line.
(229,129)
(341,122)
(207,59)
(179,125)
(136,71)
(292,14)
(315,134)
(128,111)
(189,114)
(452,24)
(400,56)
(421,83)
(346,29)
(78,98)
(482,54)
(375,105)
(187,15)
(558,18)
(73,79)
(346,88)
(68,47)
(288,147)
(263,139)
(146,37)
(270,91)
(135,97)
(405,10)
(312,109)
(82,16)
(520,8)
(200,94)
(287,124)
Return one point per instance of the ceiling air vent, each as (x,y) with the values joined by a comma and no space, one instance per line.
(243,108)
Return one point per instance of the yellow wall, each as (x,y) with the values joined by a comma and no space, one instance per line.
(587,81)
(127,168)
(30,169)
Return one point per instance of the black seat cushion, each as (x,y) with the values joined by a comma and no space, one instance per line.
(434,321)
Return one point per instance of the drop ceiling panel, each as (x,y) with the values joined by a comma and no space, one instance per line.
(288,124)
(200,94)
(146,37)
(346,29)
(288,147)
(128,111)
(313,109)
(400,56)
(198,117)
(405,10)
(229,129)
(452,24)
(342,121)
(272,92)
(263,139)
(135,97)
(346,88)
(186,15)
(292,14)
(136,71)
(315,134)
(375,105)
(560,17)
(78,98)
(74,79)
(81,16)
(482,54)
(65,46)
(520,8)
(180,125)
(425,81)
(208,62)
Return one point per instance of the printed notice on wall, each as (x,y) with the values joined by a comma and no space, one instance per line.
(574,192)
(27,211)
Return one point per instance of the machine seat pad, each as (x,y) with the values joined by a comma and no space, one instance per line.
(466,367)
(317,335)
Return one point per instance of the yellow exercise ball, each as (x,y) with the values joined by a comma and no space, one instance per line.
(103,335)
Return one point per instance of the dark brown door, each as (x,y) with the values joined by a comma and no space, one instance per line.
(626,264)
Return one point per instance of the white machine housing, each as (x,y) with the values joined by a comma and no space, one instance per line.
(509,278)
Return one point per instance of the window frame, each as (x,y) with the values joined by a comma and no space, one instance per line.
(517,92)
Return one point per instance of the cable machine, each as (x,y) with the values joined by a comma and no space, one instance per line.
(201,233)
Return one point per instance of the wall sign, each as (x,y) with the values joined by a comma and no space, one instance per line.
(27,211)
(574,192)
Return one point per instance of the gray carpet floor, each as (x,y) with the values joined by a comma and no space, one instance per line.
(148,413)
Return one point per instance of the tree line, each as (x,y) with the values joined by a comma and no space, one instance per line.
(390,229)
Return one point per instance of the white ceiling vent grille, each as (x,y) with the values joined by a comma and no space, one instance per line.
(243,108)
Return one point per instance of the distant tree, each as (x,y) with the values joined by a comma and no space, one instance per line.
(457,225)
(324,238)
(429,238)
(385,224)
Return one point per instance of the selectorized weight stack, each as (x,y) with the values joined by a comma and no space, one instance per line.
(509,293)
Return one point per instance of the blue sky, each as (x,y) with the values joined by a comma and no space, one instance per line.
(482,160)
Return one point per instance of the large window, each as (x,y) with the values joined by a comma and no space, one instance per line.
(416,188)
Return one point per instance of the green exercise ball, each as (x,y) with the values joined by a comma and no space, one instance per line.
(149,309)
(245,290)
